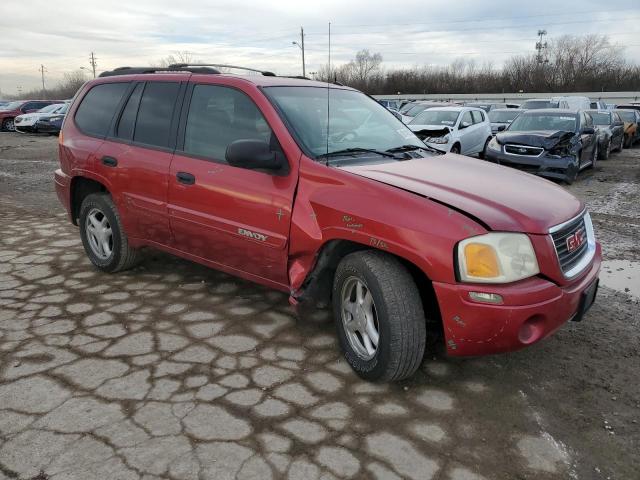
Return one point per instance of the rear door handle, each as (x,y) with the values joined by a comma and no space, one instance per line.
(110,161)
(186,178)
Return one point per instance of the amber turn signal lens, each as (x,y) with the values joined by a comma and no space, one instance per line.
(482,261)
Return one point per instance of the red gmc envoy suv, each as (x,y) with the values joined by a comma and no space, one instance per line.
(318,191)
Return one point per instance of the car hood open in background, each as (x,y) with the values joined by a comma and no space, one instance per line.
(423,131)
(543,139)
(503,198)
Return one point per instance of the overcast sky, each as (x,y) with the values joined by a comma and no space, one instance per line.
(60,34)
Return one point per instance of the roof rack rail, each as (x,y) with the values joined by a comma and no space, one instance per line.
(144,70)
(220,65)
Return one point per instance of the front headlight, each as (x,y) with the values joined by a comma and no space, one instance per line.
(496,258)
(439,140)
(494,145)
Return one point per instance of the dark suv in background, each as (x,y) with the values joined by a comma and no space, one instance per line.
(13,109)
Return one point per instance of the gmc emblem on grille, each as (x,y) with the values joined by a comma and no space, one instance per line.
(575,240)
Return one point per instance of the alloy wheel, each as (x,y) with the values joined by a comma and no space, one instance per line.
(99,234)
(359,318)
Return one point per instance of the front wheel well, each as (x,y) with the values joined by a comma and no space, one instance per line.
(317,287)
(80,188)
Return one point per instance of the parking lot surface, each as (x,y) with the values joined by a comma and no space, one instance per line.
(172,370)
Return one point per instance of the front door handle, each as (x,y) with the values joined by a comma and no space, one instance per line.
(186,178)
(110,161)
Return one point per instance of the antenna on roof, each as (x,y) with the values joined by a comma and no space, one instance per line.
(328,90)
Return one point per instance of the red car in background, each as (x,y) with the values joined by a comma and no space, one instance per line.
(12,110)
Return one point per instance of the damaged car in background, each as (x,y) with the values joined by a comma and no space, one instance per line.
(609,130)
(630,119)
(462,130)
(552,143)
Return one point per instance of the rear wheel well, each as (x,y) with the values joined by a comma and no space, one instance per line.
(80,188)
(317,288)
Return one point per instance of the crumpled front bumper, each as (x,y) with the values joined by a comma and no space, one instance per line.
(532,309)
(546,165)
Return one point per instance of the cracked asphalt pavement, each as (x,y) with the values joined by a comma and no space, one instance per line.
(175,371)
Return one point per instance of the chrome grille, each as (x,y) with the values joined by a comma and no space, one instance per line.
(569,260)
(523,150)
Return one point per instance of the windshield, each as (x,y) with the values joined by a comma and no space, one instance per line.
(356,121)
(416,110)
(533,104)
(548,121)
(497,116)
(12,106)
(436,117)
(600,118)
(64,108)
(627,116)
(407,107)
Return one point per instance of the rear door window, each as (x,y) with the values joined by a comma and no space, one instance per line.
(95,113)
(153,123)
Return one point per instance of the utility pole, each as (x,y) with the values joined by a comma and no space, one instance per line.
(42,70)
(300,45)
(304,72)
(93,63)
(541,47)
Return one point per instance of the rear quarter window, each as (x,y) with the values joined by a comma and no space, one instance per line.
(96,111)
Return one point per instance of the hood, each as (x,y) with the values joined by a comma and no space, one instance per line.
(429,131)
(544,139)
(503,198)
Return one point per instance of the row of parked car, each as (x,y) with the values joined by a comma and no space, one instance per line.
(33,116)
(555,138)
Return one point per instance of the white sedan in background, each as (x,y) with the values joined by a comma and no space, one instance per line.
(27,122)
(464,130)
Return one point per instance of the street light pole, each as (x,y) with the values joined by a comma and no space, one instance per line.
(301,47)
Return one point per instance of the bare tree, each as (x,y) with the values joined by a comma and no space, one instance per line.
(181,56)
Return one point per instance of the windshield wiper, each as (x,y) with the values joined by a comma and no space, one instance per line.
(408,148)
(338,153)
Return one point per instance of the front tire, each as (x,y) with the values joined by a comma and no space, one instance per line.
(103,237)
(483,154)
(455,149)
(8,125)
(379,316)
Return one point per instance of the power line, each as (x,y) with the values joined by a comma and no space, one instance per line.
(483,19)
(475,29)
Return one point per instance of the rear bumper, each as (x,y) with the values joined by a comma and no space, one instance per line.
(63,190)
(548,166)
(532,309)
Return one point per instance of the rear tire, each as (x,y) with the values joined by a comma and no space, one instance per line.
(606,152)
(375,296)
(594,156)
(103,237)
(627,141)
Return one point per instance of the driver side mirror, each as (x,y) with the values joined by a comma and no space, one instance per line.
(464,125)
(588,130)
(256,155)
